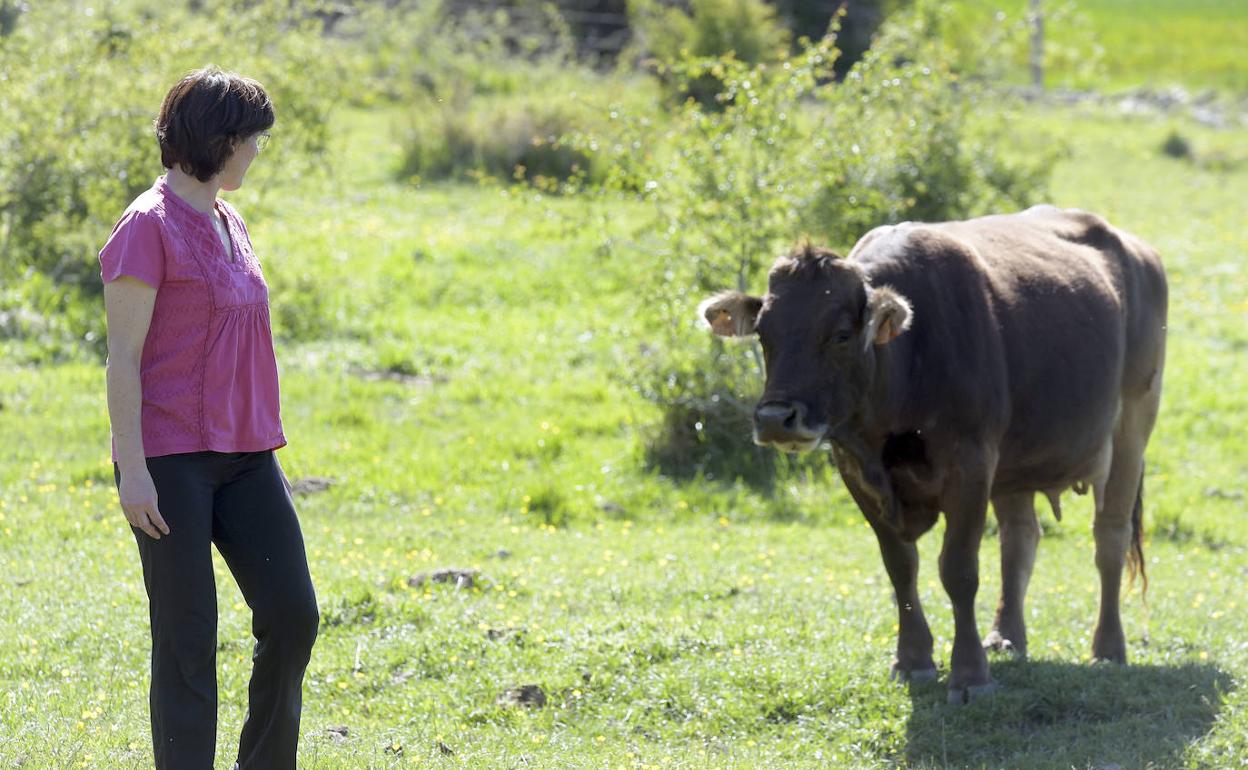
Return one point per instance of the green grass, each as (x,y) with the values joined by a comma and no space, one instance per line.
(1194,43)
(464,396)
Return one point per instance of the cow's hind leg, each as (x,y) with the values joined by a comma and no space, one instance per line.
(1118,518)
(1019,534)
(913,662)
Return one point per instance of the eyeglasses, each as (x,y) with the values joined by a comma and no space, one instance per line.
(262,140)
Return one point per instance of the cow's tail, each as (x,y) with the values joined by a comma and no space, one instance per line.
(1135,553)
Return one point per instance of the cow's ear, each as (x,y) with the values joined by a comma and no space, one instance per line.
(731,313)
(888,315)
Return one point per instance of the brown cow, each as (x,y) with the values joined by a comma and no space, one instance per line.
(953,364)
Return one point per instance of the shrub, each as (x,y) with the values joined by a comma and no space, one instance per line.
(745,30)
(420,49)
(748,29)
(913,141)
(80,95)
(506,139)
(488,94)
(38,325)
(1177,146)
(859,23)
(705,427)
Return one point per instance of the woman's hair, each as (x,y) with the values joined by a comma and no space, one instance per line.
(204,117)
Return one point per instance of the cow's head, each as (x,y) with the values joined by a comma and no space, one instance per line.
(819,324)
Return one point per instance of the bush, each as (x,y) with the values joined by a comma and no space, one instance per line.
(81,93)
(914,141)
(795,153)
(706,427)
(860,21)
(502,139)
(1177,146)
(488,95)
(412,50)
(38,325)
(745,30)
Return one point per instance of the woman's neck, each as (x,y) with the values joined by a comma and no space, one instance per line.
(201,195)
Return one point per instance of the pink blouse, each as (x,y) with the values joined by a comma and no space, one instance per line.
(209,376)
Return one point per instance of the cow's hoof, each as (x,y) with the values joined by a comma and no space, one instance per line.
(998,643)
(961,695)
(911,675)
(1110,646)
(1109,653)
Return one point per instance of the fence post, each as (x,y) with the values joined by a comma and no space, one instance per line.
(1036,17)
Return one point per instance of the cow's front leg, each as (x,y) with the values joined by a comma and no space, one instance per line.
(966,505)
(913,662)
(1019,535)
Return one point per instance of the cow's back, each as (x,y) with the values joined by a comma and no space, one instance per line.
(1037,325)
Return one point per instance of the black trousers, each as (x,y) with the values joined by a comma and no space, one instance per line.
(238,503)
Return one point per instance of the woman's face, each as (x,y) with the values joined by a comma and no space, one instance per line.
(231,175)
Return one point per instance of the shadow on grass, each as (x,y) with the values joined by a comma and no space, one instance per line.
(1049,714)
(709,440)
(712,440)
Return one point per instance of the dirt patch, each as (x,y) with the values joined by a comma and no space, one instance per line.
(462,579)
(310,485)
(338,734)
(507,634)
(526,695)
(403,376)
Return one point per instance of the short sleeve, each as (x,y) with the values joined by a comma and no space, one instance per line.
(136,249)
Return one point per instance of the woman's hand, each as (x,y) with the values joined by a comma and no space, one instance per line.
(138,501)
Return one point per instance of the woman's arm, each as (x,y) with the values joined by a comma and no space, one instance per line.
(128,304)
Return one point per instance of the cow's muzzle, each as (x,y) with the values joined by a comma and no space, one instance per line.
(786,425)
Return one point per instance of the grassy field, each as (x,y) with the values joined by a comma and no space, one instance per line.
(1197,42)
(466,404)
(1192,43)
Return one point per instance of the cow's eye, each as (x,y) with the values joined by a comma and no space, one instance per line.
(842,337)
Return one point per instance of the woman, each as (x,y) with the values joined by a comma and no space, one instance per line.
(193,401)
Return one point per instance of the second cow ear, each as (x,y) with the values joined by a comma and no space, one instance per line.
(888,315)
(731,313)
